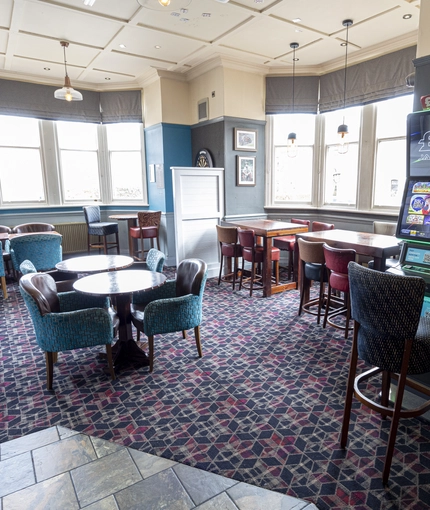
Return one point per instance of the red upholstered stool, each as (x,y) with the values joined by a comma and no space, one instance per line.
(230,249)
(336,261)
(318,226)
(254,253)
(149,227)
(286,243)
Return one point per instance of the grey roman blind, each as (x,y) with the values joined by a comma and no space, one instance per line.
(34,100)
(380,78)
(121,106)
(279,94)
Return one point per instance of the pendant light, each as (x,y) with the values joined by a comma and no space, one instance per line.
(67,93)
(164,5)
(292,138)
(342,130)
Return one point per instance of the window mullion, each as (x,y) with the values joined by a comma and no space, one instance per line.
(104,165)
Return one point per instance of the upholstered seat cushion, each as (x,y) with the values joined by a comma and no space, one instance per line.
(285,242)
(313,272)
(231,250)
(147,232)
(102,228)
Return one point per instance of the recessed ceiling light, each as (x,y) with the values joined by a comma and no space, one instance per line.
(296,20)
(175,14)
(122,46)
(184,11)
(298,30)
(107,78)
(46,68)
(295,59)
(206,14)
(90,3)
(157,47)
(184,20)
(343,44)
(407,16)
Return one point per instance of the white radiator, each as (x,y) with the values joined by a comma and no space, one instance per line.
(74,236)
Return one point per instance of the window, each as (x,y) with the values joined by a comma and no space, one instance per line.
(341,170)
(21,177)
(78,147)
(125,156)
(293,176)
(390,167)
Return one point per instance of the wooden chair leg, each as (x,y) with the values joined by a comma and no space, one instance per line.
(252,279)
(241,274)
(110,361)
(89,243)
(151,352)
(348,314)
(327,305)
(3,286)
(105,245)
(184,334)
(349,390)
(385,390)
(117,243)
(220,269)
(49,369)
(198,343)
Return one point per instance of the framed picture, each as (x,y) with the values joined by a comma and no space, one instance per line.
(245,139)
(245,171)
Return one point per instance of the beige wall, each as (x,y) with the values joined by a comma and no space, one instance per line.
(202,87)
(423,45)
(152,104)
(236,94)
(175,101)
(244,95)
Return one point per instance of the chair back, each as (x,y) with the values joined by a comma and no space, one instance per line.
(300,222)
(41,288)
(386,228)
(43,250)
(155,260)
(387,308)
(27,267)
(311,252)
(92,214)
(246,238)
(318,226)
(226,235)
(149,218)
(191,277)
(336,261)
(2,270)
(26,228)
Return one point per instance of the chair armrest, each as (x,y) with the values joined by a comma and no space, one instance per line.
(172,314)
(57,332)
(7,246)
(72,300)
(168,290)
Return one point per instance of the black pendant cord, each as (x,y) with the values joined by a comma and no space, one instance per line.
(294,72)
(346,65)
(65,61)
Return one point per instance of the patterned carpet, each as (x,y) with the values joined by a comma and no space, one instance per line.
(263,405)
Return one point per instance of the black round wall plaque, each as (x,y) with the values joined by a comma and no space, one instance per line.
(204,159)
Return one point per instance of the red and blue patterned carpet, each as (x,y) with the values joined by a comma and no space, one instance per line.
(264,405)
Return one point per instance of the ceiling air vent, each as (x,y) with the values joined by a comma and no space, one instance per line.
(203,109)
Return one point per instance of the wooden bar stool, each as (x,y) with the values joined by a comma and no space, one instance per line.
(231,250)
(286,243)
(148,228)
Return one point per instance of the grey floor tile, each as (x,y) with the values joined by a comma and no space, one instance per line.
(103,447)
(161,491)
(148,464)
(16,473)
(64,432)
(27,443)
(104,477)
(53,494)
(108,503)
(220,502)
(201,485)
(56,458)
(248,497)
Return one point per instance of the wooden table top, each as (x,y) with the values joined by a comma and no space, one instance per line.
(94,263)
(271,228)
(353,238)
(116,283)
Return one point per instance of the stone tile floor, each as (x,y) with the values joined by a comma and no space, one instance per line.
(58,468)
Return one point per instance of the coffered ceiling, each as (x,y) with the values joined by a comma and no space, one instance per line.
(118,43)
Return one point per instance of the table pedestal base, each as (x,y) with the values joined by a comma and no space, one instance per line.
(128,353)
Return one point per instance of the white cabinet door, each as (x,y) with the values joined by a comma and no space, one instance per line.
(198,195)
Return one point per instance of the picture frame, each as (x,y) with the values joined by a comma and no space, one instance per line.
(245,139)
(245,171)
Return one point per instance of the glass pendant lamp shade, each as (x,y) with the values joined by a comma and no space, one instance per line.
(164,3)
(67,93)
(292,145)
(342,130)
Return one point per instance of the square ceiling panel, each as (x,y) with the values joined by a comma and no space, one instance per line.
(278,37)
(59,23)
(6,13)
(327,17)
(144,42)
(201,19)
(127,64)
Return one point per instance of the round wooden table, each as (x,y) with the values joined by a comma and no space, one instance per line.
(94,263)
(120,285)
